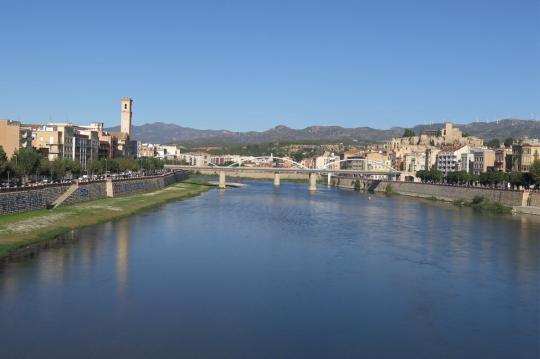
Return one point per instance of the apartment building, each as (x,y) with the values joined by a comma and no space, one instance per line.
(524,154)
(13,137)
(449,160)
(484,159)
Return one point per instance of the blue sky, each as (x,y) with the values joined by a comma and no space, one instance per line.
(251,65)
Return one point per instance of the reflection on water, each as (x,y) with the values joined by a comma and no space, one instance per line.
(281,272)
(122,252)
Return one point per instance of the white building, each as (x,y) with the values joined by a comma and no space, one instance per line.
(329,161)
(450,160)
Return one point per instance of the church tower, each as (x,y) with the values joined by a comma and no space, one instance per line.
(126,114)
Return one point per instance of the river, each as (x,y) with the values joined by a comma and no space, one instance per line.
(263,272)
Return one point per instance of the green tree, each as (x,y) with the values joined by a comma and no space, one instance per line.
(26,161)
(463,177)
(73,167)
(435,175)
(452,178)
(494,143)
(535,172)
(57,169)
(95,167)
(408,133)
(44,167)
(3,156)
(517,179)
(508,142)
(297,157)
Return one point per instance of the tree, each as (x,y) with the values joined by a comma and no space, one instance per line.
(73,167)
(535,172)
(508,142)
(3,156)
(44,167)
(95,167)
(408,133)
(26,161)
(494,143)
(517,179)
(57,169)
(435,175)
(487,178)
(463,177)
(297,157)
(452,178)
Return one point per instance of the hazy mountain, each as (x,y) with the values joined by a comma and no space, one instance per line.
(160,132)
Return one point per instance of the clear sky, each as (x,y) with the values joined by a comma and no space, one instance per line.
(251,65)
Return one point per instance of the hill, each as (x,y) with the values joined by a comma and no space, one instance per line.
(160,132)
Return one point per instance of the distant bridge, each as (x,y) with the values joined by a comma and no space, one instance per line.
(363,168)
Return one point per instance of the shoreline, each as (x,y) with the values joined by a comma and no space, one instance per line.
(23,234)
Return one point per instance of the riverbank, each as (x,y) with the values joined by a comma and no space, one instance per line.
(19,232)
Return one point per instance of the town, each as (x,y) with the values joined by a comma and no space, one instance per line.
(34,153)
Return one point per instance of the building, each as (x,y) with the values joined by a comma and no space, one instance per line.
(55,140)
(13,137)
(414,162)
(524,154)
(147,150)
(467,162)
(431,158)
(449,160)
(484,160)
(500,159)
(171,152)
(126,115)
(328,161)
(195,159)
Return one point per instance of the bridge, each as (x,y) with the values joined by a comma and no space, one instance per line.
(361,168)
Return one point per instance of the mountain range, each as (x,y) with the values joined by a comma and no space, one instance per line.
(160,132)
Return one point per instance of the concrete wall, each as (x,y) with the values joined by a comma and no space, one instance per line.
(440,192)
(24,200)
(534,199)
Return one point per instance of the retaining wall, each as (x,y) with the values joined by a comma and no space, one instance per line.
(534,199)
(24,200)
(441,192)
(15,201)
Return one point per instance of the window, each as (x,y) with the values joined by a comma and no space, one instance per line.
(125,106)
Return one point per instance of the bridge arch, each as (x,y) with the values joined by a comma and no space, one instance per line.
(361,160)
(239,163)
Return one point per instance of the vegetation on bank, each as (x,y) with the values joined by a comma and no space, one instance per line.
(24,229)
(479,203)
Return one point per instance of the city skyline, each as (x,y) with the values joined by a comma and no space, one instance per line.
(251,66)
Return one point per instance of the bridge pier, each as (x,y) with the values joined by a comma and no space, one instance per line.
(329,180)
(312,181)
(221,180)
(277,180)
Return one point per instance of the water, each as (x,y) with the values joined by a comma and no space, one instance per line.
(280,273)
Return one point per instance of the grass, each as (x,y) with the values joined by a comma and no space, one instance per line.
(25,229)
(481,204)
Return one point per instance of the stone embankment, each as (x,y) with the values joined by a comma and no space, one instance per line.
(29,199)
(441,192)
